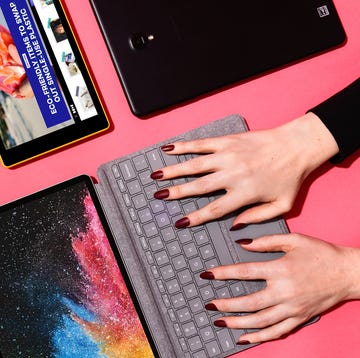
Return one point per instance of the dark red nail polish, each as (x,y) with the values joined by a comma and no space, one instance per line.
(207,275)
(162,194)
(157,175)
(167,148)
(211,307)
(184,222)
(244,241)
(220,323)
(243,343)
(238,227)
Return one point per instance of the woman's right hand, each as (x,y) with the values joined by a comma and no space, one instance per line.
(265,167)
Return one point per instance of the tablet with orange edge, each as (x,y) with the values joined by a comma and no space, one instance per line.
(48,98)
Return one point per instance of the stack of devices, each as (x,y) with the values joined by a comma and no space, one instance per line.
(166,52)
(100,270)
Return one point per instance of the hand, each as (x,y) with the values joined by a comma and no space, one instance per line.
(264,167)
(311,277)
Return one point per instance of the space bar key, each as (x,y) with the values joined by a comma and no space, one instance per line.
(217,238)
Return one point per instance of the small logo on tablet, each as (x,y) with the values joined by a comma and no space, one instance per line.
(323,11)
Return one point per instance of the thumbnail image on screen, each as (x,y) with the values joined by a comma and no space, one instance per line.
(62,293)
(42,88)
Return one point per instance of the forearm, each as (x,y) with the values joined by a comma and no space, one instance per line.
(341,115)
(351,272)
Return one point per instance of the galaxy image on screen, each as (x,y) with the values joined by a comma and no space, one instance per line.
(61,291)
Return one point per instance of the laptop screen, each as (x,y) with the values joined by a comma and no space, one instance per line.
(62,293)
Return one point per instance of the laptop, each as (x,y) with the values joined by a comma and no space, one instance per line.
(48,98)
(167,52)
(97,269)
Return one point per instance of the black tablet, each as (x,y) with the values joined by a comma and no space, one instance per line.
(47,96)
(167,52)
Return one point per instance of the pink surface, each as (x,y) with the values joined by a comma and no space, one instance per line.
(328,209)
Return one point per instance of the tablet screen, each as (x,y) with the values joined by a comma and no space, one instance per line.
(45,88)
(63,289)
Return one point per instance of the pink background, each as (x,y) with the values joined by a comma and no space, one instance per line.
(328,208)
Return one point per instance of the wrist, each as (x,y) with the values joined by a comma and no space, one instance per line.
(351,272)
(311,140)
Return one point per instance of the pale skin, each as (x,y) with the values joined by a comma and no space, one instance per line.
(267,168)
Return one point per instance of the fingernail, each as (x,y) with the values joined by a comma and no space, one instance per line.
(167,148)
(243,343)
(207,275)
(157,175)
(220,323)
(184,222)
(211,307)
(162,194)
(244,241)
(238,227)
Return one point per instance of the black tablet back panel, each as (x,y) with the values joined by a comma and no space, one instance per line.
(167,52)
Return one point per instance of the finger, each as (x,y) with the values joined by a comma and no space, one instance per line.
(206,184)
(261,212)
(199,165)
(198,146)
(261,319)
(270,243)
(270,333)
(253,302)
(244,271)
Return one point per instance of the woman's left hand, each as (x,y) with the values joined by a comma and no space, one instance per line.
(311,277)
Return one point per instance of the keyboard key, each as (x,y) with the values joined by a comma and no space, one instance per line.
(185,277)
(196,305)
(172,316)
(140,162)
(173,207)
(161,258)
(134,187)
(150,190)
(157,206)
(170,159)
(160,286)
(189,208)
(116,172)
(190,250)
(156,244)
(206,252)
(189,329)
(225,340)
(145,177)
(154,159)
(127,170)
(162,220)
(178,300)
(145,215)
(207,293)
(223,293)
(196,264)
(201,237)
(237,289)
(190,291)
(212,348)
(207,333)
(184,315)
(201,319)
(195,343)
(168,234)
(200,354)
(173,286)
(167,272)
(173,248)
(121,185)
(179,262)
(184,236)
(139,201)
(183,344)
(150,229)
